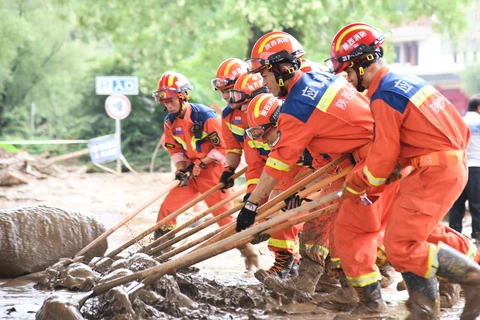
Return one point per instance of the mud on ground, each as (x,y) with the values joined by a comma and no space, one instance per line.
(219,289)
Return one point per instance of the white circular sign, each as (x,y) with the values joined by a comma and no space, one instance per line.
(118,106)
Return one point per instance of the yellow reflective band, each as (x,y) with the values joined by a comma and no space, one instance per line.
(277,164)
(374,181)
(320,251)
(423,94)
(254,144)
(256,107)
(364,280)
(227,68)
(381,257)
(252,181)
(472,251)
(170,79)
(236,129)
(340,38)
(245,81)
(432,261)
(284,244)
(335,263)
(194,140)
(181,142)
(354,191)
(236,151)
(330,94)
(262,45)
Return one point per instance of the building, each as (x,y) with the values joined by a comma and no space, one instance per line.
(421,51)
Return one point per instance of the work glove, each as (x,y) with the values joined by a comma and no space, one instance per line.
(292,202)
(184,175)
(395,175)
(354,186)
(198,165)
(247,215)
(245,197)
(260,237)
(226,177)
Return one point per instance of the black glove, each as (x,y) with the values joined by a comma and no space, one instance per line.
(395,175)
(292,202)
(184,175)
(260,237)
(247,215)
(245,197)
(226,177)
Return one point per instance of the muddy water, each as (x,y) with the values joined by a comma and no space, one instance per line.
(19,300)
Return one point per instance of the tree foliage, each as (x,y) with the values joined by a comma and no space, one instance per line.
(53,49)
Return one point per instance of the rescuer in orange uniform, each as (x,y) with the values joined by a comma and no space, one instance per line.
(325,114)
(238,88)
(194,140)
(414,125)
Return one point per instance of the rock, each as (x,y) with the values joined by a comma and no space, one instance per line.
(33,238)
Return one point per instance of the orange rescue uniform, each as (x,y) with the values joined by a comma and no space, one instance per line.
(415,125)
(181,143)
(234,124)
(325,114)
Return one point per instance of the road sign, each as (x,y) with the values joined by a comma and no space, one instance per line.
(104,149)
(118,106)
(106,85)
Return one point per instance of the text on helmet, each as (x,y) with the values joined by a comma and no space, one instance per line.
(267,107)
(274,42)
(353,39)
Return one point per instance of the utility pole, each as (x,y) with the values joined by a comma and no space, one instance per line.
(32,118)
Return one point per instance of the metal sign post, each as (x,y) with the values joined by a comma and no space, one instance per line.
(118,107)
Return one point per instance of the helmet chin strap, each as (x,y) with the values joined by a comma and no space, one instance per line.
(282,77)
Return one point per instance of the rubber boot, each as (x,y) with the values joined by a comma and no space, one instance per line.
(388,274)
(458,268)
(282,264)
(250,254)
(370,301)
(162,231)
(309,273)
(449,293)
(424,300)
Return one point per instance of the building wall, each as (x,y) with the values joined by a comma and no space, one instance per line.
(437,59)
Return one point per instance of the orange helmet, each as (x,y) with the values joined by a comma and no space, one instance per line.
(262,114)
(172,84)
(356,44)
(309,66)
(247,87)
(228,72)
(272,48)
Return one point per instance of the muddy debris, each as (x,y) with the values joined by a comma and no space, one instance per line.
(33,238)
(184,295)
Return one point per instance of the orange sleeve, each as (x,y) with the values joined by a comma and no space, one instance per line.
(385,149)
(255,164)
(294,137)
(231,144)
(170,144)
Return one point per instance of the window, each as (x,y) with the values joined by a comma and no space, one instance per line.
(406,52)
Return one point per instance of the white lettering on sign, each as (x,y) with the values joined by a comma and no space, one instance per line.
(107,85)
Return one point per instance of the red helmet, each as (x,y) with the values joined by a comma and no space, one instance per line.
(247,87)
(309,66)
(274,47)
(351,43)
(228,72)
(172,84)
(262,113)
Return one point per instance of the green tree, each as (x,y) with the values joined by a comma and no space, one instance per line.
(470,76)
(42,62)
